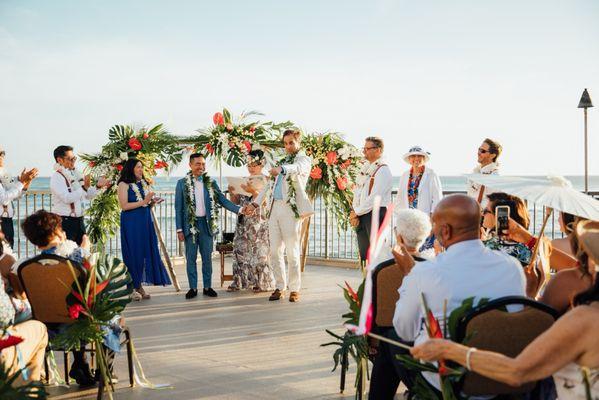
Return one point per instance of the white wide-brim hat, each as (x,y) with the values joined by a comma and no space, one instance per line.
(417,151)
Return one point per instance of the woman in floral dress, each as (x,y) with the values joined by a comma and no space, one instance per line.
(251,247)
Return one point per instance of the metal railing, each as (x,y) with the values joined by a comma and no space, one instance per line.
(325,239)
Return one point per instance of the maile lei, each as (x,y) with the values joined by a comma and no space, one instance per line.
(191,203)
(291,200)
(138,195)
(75,178)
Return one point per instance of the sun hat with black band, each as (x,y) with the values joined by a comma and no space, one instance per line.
(588,238)
(417,151)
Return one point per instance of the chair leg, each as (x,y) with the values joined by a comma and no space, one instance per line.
(100,390)
(129,357)
(66,368)
(46,368)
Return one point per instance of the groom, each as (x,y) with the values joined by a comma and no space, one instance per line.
(196,218)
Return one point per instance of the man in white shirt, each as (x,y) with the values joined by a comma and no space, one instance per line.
(10,190)
(374,180)
(466,269)
(488,153)
(69,188)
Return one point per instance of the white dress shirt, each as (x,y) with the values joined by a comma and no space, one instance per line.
(475,188)
(383,185)
(465,269)
(62,198)
(9,193)
(198,188)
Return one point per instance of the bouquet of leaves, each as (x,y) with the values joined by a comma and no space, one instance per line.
(356,346)
(8,389)
(99,293)
(231,141)
(450,373)
(335,165)
(154,147)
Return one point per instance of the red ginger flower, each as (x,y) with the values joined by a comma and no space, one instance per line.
(331,158)
(352,293)
(316,173)
(135,144)
(10,341)
(75,310)
(248,145)
(119,167)
(218,119)
(209,148)
(160,164)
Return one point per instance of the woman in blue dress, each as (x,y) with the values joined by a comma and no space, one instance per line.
(138,237)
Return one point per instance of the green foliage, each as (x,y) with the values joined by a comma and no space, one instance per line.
(104,217)
(9,391)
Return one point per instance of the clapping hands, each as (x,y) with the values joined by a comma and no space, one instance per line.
(248,210)
(27,176)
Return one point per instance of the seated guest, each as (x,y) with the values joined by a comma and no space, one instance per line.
(564,244)
(31,351)
(12,284)
(567,283)
(566,350)
(44,230)
(466,269)
(412,229)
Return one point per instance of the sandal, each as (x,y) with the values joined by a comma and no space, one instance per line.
(143,293)
(257,289)
(232,288)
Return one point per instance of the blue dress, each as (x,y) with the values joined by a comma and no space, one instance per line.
(140,245)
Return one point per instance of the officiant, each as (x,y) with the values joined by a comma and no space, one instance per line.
(251,247)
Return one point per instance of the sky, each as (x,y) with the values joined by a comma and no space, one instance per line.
(440,74)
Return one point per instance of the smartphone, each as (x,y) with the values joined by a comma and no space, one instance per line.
(502,217)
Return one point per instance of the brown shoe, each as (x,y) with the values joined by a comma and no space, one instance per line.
(276,295)
(294,297)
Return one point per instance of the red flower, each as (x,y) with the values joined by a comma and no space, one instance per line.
(345,164)
(247,145)
(209,148)
(10,341)
(92,164)
(218,119)
(145,135)
(119,167)
(342,182)
(316,173)
(352,293)
(75,310)
(135,144)
(252,129)
(160,164)
(331,158)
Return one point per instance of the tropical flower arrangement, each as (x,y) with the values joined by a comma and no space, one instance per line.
(335,165)
(231,141)
(154,147)
(354,345)
(98,296)
(31,390)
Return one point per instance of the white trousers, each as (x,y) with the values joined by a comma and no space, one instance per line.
(284,234)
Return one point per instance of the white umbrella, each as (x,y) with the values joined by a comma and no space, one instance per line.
(555,192)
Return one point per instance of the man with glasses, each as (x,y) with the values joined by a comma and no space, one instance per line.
(488,153)
(374,180)
(10,190)
(69,188)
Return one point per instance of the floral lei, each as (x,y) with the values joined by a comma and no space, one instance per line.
(291,200)
(75,178)
(191,203)
(135,188)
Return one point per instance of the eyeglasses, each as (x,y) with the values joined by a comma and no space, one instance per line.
(369,148)
(73,159)
(483,151)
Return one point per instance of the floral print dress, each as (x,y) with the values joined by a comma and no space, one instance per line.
(251,250)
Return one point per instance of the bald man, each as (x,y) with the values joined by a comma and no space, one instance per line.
(465,269)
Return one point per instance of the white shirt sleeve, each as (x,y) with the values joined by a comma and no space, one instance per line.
(59,188)
(408,309)
(383,181)
(12,193)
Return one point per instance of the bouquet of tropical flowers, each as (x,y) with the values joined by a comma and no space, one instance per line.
(31,390)
(335,165)
(98,296)
(231,141)
(154,147)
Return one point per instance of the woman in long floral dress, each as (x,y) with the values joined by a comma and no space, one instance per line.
(251,246)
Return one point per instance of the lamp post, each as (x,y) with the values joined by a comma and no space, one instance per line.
(585,102)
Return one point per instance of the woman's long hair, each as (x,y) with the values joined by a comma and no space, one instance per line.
(592,294)
(128,172)
(589,295)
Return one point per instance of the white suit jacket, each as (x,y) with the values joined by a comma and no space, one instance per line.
(429,191)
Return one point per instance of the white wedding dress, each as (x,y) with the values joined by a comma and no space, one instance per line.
(570,385)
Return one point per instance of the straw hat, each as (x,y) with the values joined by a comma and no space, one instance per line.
(417,151)
(588,238)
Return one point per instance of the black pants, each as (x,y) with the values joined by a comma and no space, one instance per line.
(9,231)
(363,231)
(74,228)
(387,372)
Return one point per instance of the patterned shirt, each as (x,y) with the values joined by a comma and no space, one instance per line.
(7,310)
